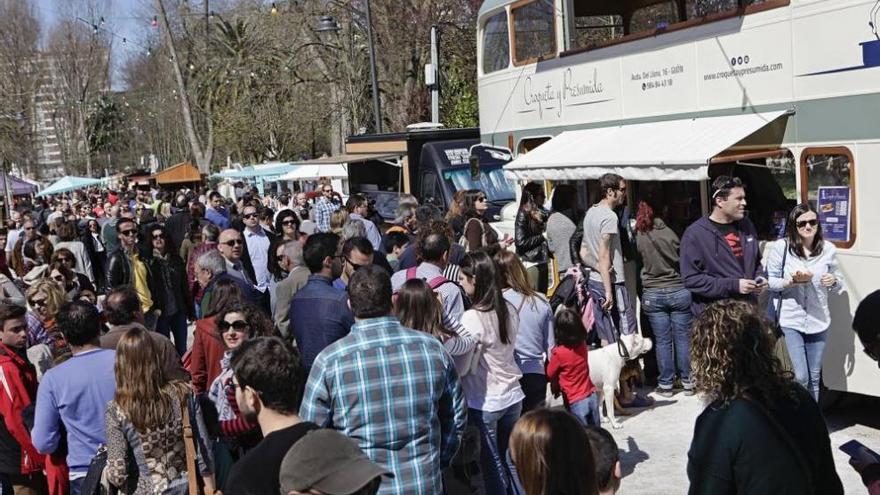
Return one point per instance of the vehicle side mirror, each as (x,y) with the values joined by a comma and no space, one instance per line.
(474,161)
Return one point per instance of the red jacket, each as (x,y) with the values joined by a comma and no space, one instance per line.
(569,365)
(207,351)
(18,380)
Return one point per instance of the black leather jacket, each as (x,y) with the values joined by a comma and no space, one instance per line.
(168,286)
(119,270)
(531,244)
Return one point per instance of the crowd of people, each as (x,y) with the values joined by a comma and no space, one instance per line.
(158,342)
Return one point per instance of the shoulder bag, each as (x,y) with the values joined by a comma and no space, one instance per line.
(780,348)
(190,446)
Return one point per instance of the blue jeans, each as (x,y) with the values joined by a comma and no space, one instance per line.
(495,428)
(175,325)
(669,313)
(76,486)
(806,350)
(587,410)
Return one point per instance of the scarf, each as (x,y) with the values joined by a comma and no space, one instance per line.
(217,391)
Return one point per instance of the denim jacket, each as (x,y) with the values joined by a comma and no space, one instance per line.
(804,306)
(319,315)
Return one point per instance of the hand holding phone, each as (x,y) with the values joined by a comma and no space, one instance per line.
(861,455)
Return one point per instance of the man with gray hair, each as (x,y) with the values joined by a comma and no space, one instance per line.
(291,261)
(210,269)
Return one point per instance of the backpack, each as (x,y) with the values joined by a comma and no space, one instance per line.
(463,242)
(434,283)
(572,293)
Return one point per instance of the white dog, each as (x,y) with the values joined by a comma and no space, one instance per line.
(605,365)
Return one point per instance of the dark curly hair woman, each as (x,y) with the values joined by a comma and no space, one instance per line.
(761,432)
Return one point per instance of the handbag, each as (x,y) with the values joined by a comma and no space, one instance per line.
(780,348)
(91,484)
(190,446)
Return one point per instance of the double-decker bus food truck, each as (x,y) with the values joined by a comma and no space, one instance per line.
(670,94)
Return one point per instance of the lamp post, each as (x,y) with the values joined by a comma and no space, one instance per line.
(327,24)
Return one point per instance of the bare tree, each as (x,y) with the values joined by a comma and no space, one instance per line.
(20,78)
(80,57)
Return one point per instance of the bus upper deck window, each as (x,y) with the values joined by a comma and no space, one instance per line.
(534,33)
(496,43)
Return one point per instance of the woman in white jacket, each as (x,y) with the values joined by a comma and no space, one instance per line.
(802,269)
(491,380)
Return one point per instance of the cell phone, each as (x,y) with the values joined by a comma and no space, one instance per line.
(760,280)
(857,450)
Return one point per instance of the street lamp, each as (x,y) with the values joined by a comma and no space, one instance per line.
(327,25)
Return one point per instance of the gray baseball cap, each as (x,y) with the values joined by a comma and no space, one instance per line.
(327,461)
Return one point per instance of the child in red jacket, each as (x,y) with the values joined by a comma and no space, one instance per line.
(569,369)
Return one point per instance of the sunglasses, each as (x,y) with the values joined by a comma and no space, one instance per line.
(804,223)
(353,264)
(233,242)
(238,325)
(65,260)
(248,216)
(727,186)
(128,232)
(37,302)
(158,236)
(58,278)
(480,200)
(328,190)
(288,223)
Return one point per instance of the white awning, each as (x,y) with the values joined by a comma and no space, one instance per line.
(670,150)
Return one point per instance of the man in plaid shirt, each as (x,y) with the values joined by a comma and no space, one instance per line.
(393,390)
(325,207)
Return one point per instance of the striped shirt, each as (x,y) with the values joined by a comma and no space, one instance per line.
(397,393)
(323,210)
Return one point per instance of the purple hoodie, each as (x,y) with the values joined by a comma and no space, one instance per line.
(709,269)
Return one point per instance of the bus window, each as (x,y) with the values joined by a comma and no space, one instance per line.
(496,43)
(659,16)
(594,30)
(831,167)
(701,8)
(534,32)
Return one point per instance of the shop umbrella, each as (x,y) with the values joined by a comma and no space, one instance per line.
(68,184)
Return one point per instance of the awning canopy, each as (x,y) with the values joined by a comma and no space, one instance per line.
(178,174)
(18,186)
(354,158)
(67,184)
(670,150)
(313,171)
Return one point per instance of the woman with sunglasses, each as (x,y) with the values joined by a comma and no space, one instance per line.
(476,230)
(66,257)
(66,279)
(96,250)
(67,239)
(37,253)
(235,324)
(44,298)
(802,270)
(531,245)
(170,291)
(208,346)
(287,225)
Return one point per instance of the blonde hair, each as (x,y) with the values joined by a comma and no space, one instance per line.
(337,220)
(143,392)
(55,295)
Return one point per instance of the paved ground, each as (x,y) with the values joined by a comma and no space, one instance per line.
(654,442)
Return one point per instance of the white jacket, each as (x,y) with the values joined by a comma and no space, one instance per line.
(804,306)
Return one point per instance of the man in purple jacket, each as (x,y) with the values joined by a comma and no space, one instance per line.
(720,258)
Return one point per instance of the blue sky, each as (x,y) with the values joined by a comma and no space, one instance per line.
(128,19)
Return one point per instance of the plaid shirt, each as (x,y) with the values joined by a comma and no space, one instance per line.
(36,331)
(323,210)
(397,393)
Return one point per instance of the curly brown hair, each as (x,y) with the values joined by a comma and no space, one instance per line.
(732,355)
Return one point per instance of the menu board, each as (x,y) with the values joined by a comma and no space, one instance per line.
(835,213)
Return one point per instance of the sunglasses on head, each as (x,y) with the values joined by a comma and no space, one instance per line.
(237,325)
(727,186)
(233,242)
(804,223)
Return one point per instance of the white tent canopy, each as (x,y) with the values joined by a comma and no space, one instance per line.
(670,150)
(306,172)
